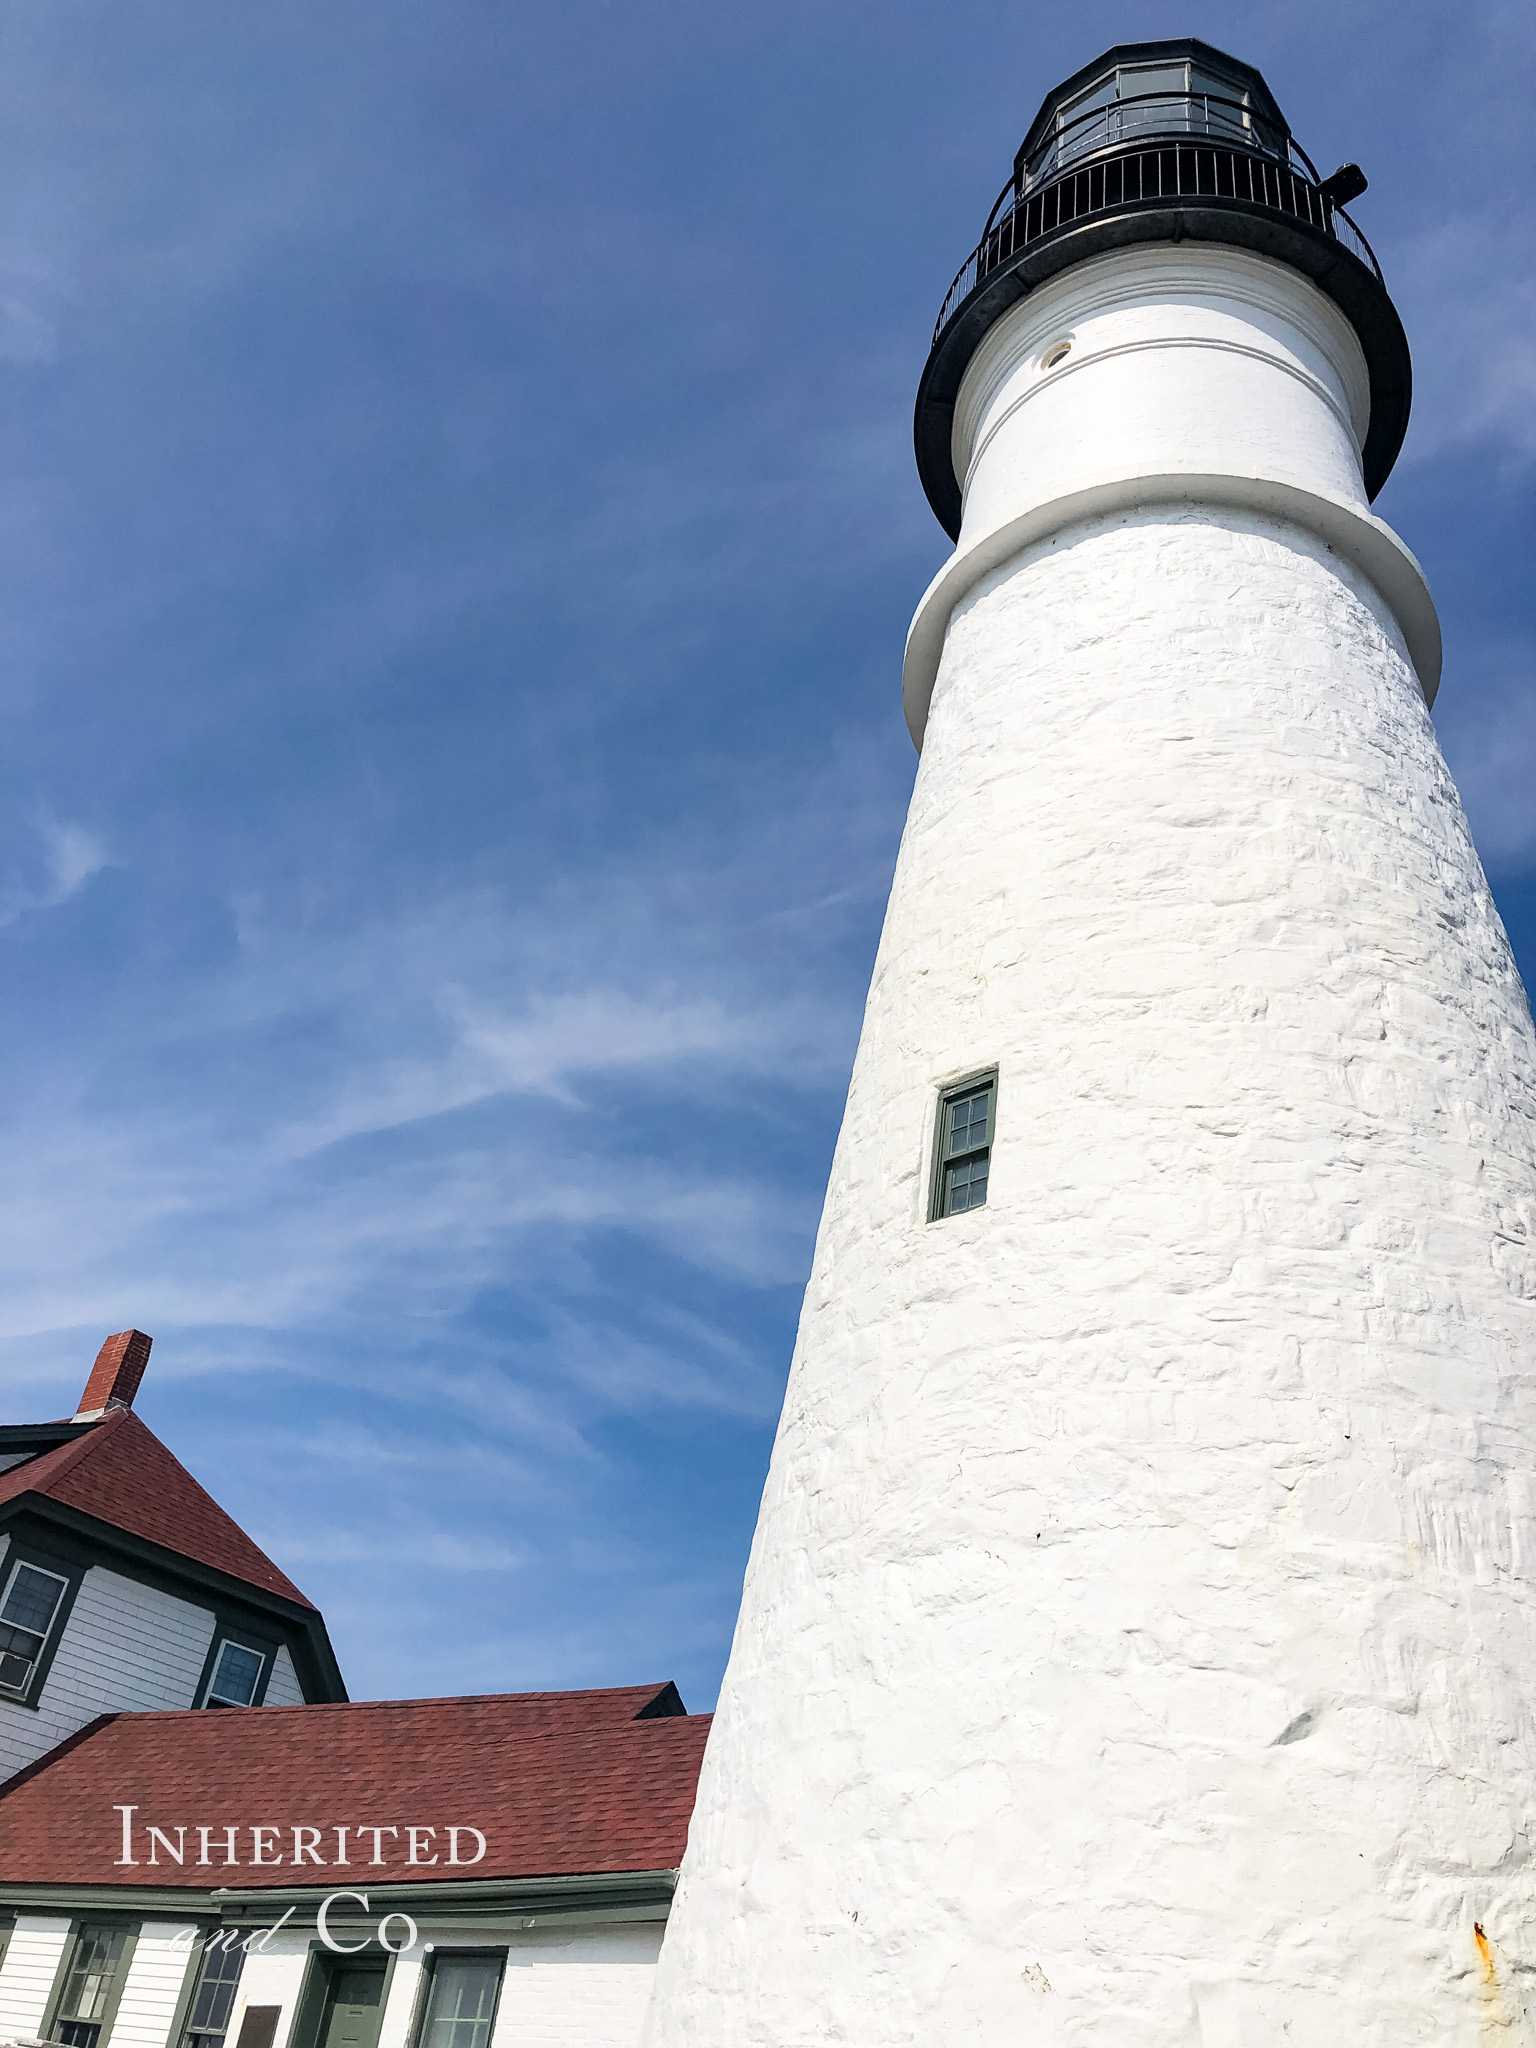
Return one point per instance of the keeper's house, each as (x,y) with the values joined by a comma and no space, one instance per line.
(298,1871)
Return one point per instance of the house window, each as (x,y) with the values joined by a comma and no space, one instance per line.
(236,1675)
(27,1614)
(461,2004)
(218,1979)
(963,1155)
(90,1989)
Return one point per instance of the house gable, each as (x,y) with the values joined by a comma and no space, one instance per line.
(151,1576)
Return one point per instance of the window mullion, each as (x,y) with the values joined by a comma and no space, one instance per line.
(966,1127)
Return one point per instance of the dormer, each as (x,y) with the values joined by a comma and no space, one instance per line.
(124,1586)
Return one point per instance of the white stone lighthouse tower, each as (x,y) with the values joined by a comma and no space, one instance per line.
(1138,1647)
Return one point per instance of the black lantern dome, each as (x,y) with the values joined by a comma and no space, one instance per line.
(1162,142)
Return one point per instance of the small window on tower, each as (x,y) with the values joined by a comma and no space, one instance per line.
(963,1155)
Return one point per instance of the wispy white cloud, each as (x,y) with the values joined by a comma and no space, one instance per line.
(360,1179)
(550,1044)
(420,1548)
(690,1364)
(28,333)
(66,857)
(103,1221)
(458,531)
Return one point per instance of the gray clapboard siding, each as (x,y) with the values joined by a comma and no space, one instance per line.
(126,1648)
(283,1686)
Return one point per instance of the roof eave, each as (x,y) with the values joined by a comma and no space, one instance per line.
(313,1644)
(43,1436)
(593,1896)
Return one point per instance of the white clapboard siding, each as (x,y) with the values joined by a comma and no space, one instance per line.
(27,1974)
(581,1987)
(585,1989)
(283,1688)
(272,1976)
(155,1977)
(126,1649)
(400,2006)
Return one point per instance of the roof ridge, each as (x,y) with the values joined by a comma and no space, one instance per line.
(449,1699)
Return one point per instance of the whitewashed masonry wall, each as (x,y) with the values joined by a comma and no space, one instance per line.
(1137,1634)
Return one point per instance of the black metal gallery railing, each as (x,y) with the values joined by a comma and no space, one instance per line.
(1170,168)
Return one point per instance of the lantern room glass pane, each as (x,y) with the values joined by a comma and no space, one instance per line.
(1221,107)
(1142,101)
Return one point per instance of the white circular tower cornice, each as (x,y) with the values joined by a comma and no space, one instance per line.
(1166,375)
(1359,537)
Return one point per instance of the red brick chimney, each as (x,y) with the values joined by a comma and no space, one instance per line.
(116,1374)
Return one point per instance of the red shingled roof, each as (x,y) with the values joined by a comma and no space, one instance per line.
(120,1472)
(560,1784)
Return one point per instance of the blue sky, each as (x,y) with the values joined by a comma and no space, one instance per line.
(457,531)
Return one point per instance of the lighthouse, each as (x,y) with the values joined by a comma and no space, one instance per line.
(1138,1644)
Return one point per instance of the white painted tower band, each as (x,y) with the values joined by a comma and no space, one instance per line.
(1198,375)
(1138,1646)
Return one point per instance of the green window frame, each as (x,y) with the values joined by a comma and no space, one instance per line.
(462,1994)
(213,1998)
(962,1154)
(322,1972)
(92,1984)
(36,1595)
